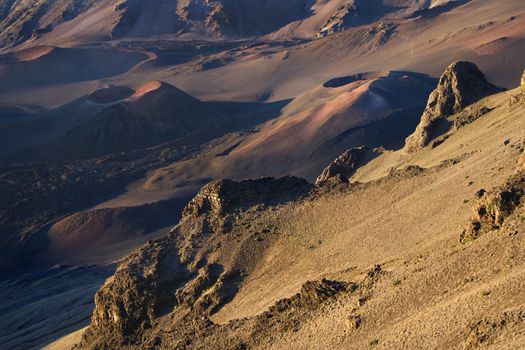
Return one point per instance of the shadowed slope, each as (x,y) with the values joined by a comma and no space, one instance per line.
(115,119)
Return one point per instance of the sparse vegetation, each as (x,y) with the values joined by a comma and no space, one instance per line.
(396,283)
(373,342)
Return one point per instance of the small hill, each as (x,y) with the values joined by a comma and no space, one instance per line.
(101,236)
(155,113)
(111,120)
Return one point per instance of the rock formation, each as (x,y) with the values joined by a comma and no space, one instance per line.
(344,166)
(492,208)
(468,116)
(139,290)
(217,201)
(345,16)
(461,85)
(219,197)
(170,275)
(486,332)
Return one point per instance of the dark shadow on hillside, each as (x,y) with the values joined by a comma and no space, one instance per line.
(49,304)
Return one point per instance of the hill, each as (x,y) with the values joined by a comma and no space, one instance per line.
(116,119)
(275,263)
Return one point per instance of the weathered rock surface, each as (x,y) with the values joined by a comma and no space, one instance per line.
(312,293)
(345,16)
(344,166)
(461,85)
(170,275)
(487,331)
(354,13)
(21,20)
(470,116)
(521,160)
(492,208)
(222,195)
(290,313)
(140,291)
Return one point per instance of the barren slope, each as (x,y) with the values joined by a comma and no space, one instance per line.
(487,33)
(384,254)
(311,130)
(273,87)
(71,21)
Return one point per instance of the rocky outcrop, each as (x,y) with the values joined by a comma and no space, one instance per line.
(489,330)
(312,294)
(183,273)
(468,117)
(219,197)
(520,166)
(461,85)
(289,313)
(347,15)
(214,206)
(492,208)
(523,80)
(341,169)
(141,290)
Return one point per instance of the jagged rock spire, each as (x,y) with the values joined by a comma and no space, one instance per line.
(461,84)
